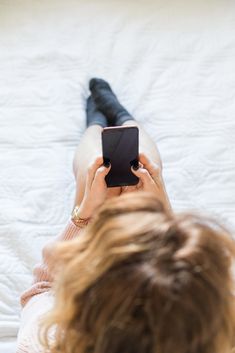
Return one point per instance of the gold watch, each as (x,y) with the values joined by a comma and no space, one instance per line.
(77,220)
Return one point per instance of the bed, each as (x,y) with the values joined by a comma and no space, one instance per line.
(172,63)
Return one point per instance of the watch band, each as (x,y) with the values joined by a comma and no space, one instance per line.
(77,220)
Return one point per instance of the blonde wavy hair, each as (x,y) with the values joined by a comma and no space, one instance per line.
(142,280)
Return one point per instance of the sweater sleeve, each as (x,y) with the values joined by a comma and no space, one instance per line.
(42,281)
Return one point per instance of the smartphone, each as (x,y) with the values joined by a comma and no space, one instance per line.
(120,147)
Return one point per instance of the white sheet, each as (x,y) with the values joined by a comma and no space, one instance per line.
(172,63)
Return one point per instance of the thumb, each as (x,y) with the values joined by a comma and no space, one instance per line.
(102,172)
(143,175)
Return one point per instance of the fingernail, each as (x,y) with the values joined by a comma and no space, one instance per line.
(107,164)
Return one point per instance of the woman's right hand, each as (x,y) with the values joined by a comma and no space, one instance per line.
(95,190)
(151,180)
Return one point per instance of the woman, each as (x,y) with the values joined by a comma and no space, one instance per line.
(127,274)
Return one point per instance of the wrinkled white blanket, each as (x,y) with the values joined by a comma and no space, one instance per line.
(172,63)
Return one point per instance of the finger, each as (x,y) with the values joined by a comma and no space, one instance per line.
(131,188)
(124,188)
(143,158)
(139,185)
(115,191)
(153,168)
(101,173)
(143,175)
(92,170)
(136,167)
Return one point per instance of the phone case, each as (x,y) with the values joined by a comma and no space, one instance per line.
(120,147)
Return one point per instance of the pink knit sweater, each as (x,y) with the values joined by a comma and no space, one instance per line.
(38,299)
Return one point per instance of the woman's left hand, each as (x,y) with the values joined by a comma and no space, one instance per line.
(95,189)
(150,180)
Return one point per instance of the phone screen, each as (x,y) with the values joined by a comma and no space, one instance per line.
(121,148)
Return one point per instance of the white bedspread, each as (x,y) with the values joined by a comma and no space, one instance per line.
(172,63)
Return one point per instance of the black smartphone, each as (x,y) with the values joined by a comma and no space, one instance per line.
(121,148)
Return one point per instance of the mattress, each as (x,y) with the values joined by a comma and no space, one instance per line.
(172,64)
